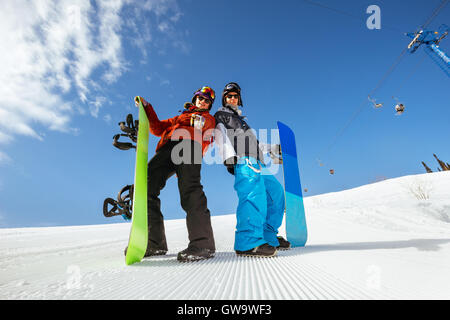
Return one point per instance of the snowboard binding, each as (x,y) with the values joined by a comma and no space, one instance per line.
(124,203)
(123,206)
(130,128)
(275,154)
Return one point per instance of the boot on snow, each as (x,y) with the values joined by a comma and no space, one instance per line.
(284,244)
(262,251)
(191,254)
(150,252)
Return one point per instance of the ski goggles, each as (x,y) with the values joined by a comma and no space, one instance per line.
(206,91)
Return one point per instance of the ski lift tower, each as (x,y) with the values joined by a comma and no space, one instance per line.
(431,39)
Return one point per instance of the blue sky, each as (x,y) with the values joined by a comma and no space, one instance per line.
(71,70)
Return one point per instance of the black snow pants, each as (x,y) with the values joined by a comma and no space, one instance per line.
(193,200)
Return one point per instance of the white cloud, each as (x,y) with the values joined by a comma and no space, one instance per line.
(48,48)
(176,17)
(107,118)
(5,138)
(4,159)
(53,49)
(142,36)
(163,26)
(95,106)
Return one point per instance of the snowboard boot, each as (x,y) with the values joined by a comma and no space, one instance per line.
(262,251)
(284,244)
(191,254)
(150,252)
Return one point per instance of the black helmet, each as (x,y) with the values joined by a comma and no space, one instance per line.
(232,87)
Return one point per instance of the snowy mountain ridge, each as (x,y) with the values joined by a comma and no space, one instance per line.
(386,240)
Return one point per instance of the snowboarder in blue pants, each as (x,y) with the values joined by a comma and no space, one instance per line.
(261,197)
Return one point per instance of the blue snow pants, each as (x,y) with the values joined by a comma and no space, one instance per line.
(261,205)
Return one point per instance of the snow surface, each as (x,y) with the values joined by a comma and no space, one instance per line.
(377,241)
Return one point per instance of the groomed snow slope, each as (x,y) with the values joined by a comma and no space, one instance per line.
(374,242)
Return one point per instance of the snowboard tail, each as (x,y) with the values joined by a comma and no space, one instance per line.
(296,229)
(137,243)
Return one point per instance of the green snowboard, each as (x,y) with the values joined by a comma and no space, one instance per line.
(137,244)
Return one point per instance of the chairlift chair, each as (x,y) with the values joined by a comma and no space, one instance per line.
(375,105)
(399,109)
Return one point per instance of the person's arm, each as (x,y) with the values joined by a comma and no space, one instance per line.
(226,149)
(157,127)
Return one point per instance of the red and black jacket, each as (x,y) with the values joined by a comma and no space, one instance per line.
(180,127)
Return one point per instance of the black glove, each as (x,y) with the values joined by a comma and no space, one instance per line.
(230,163)
(230,168)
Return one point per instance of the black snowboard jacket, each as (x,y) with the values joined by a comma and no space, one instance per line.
(235,138)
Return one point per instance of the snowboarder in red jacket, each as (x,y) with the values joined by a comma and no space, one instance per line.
(184,140)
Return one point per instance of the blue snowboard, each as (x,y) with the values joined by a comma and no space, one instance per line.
(296,230)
